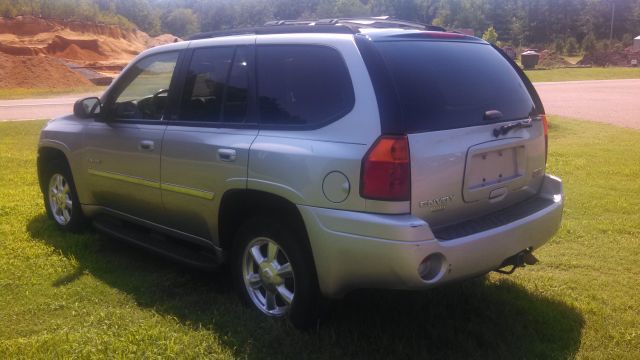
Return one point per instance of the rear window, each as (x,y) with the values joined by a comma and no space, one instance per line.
(447,85)
(304,85)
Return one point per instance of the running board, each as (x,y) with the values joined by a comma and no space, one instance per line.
(200,257)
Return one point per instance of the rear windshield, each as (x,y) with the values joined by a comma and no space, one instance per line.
(447,85)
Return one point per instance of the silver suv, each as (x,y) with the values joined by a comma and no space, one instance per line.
(314,159)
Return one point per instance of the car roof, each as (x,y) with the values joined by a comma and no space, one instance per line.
(372,27)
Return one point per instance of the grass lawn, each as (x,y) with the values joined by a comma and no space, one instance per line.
(64,295)
(594,73)
(25,93)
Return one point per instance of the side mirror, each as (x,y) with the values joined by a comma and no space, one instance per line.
(87,108)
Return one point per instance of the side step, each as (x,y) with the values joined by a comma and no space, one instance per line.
(187,253)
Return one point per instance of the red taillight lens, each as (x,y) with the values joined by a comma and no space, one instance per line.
(386,170)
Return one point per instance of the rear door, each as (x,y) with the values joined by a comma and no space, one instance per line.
(476,141)
(205,150)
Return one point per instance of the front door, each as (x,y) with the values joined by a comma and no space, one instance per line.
(205,150)
(123,149)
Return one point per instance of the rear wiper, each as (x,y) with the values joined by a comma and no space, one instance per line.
(504,129)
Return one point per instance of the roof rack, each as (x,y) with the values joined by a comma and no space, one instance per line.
(334,26)
(381,22)
(280,29)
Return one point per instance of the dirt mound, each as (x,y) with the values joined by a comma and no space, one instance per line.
(37,72)
(611,57)
(551,59)
(83,49)
(59,53)
(20,50)
(27,26)
(27,35)
(162,39)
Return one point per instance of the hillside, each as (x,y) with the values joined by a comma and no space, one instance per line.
(36,52)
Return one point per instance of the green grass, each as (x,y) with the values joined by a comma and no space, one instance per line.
(594,73)
(64,295)
(26,93)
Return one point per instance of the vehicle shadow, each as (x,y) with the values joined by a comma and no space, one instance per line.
(472,319)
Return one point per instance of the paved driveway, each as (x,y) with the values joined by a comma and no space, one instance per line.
(610,101)
(40,108)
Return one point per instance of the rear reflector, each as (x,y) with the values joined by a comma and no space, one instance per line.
(386,170)
(545,124)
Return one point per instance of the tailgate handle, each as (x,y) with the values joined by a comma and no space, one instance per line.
(497,193)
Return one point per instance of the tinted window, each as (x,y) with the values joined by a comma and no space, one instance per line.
(205,84)
(446,85)
(147,86)
(237,93)
(302,85)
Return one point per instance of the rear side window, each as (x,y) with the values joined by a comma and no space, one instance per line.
(448,85)
(305,85)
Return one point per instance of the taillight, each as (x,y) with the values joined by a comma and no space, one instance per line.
(386,170)
(545,125)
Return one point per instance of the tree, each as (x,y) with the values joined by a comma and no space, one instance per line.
(571,46)
(181,22)
(490,35)
(341,8)
(589,43)
(558,46)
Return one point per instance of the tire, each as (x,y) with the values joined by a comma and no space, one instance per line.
(60,197)
(287,275)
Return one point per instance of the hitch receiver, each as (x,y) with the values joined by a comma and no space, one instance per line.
(521,259)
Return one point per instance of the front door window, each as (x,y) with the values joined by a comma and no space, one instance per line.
(147,87)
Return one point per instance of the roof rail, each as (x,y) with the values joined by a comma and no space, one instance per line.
(334,26)
(279,29)
(381,22)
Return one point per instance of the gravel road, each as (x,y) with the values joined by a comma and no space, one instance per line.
(610,101)
(39,108)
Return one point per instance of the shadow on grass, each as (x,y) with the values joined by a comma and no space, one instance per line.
(472,319)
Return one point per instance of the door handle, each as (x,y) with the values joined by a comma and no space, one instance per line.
(227,154)
(146,145)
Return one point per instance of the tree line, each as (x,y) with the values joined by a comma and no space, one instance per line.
(572,23)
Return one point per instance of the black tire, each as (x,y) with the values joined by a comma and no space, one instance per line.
(304,311)
(77,220)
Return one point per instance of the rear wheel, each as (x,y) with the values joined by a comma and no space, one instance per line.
(60,197)
(274,272)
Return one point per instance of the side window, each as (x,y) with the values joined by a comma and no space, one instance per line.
(147,86)
(217,84)
(302,85)
(237,96)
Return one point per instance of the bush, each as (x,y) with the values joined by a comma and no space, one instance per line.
(627,40)
(589,43)
(490,35)
(558,46)
(603,45)
(571,47)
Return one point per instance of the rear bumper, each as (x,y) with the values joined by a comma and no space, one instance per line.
(359,250)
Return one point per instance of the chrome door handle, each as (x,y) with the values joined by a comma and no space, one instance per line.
(227,154)
(146,145)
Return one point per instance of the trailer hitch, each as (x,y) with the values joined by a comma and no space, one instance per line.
(518,260)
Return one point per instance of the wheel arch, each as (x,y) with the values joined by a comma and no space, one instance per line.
(46,155)
(237,206)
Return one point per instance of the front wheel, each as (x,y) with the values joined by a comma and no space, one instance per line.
(274,272)
(60,198)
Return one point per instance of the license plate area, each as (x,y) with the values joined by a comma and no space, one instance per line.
(492,166)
